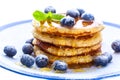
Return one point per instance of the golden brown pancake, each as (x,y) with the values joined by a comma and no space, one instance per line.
(77,30)
(76,44)
(84,41)
(65,51)
(68,60)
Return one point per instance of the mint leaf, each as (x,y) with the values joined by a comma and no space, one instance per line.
(39,16)
(57,17)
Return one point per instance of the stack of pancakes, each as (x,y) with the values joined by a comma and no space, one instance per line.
(77,45)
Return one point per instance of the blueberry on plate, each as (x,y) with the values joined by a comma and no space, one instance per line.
(81,11)
(116,45)
(27,48)
(108,55)
(10,51)
(67,22)
(73,13)
(29,41)
(59,66)
(101,60)
(27,60)
(50,9)
(87,17)
(41,61)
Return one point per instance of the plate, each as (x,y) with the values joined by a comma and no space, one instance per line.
(17,33)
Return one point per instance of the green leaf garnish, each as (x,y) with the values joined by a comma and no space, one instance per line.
(57,17)
(39,16)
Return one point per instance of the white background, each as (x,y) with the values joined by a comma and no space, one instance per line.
(16,10)
(12,10)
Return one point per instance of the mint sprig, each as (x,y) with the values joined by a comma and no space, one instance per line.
(41,16)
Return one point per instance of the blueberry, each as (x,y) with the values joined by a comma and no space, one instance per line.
(27,48)
(41,60)
(30,41)
(67,21)
(101,60)
(73,13)
(27,60)
(10,51)
(59,66)
(50,9)
(87,17)
(108,55)
(116,45)
(81,11)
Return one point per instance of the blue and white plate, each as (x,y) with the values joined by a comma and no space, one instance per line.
(18,32)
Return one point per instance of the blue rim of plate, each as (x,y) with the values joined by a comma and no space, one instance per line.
(44,76)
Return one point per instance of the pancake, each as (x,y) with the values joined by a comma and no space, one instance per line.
(77,30)
(65,51)
(84,41)
(68,60)
(74,41)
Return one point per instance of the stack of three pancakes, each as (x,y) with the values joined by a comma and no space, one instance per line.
(73,46)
